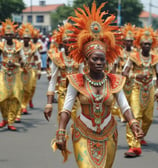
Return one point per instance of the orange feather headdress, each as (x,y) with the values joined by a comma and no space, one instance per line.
(35,33)
(25,30)
(61,34)
(91,32)
(145,34)
(128,31)
(8,27)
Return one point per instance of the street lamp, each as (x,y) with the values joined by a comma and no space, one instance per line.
(31,10)
(150,13)
(119,13)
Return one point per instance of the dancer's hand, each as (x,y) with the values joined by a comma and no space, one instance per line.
(156,95)
(60,139)
(49,78)
(141,76)
(39,76)
(48,112)
(137,131)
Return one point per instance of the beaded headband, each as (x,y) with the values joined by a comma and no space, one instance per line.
(128,31)
(93,46)
(91,32)
(146,34)
(8,27)
(25,30)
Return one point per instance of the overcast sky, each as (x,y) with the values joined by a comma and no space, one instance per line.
(145,2)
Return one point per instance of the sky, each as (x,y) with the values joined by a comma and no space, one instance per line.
(145,3)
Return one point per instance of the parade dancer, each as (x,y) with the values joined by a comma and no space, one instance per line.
(11,89)
(128,33)
(63,64)
(37,42)
(94,132)
(30,60)
(145,65)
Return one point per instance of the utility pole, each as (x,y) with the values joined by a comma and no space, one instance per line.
(119,13)
(150,13)
(31,11)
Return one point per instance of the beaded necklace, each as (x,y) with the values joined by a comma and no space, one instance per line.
(27,51)
(95,83)
(146,61)
(97,104)
(69,62)
(9,49)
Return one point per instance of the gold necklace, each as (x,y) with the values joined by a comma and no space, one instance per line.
(69,62)
(146,61)
(95,83)
(9,49)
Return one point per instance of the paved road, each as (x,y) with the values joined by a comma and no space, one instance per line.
(29,147)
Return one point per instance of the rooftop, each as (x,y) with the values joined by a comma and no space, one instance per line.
(45,8)
(146,14)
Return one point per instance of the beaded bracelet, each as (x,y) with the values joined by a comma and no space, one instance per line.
(39,72)
(48,106)
(48,75)
(65,111)
(37,62)
(50,93)
(60,135)
(133,121)
(61,132)
(156,91)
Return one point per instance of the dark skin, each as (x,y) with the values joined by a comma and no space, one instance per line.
(128,47)
(9,39)
(145,52)
(26,44)
(96,62)
(50,98)
(146,47)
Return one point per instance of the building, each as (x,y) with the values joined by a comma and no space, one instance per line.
(145,17)
(40,16)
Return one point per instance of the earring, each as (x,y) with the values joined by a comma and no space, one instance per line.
(86,67)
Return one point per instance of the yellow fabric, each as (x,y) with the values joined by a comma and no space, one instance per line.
(83,158)
(28,79)
(143,112)
(117,112)
(61,99)
(33,82)
(65,152)
(11,92)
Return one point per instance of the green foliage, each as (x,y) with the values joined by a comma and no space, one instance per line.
(155,23)
(130,10)
(8,7)
(61,14)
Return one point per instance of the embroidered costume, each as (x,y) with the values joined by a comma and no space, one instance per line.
(128,33)
(11,90)
(30,60)
(63,64)
(94,132)
(142,96)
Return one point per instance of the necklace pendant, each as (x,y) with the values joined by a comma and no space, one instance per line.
(97,121)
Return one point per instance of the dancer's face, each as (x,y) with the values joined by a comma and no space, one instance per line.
(96,61)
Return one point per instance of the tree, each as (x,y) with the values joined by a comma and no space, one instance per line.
(8,7)
(63,12)
(130,10)
(155,23)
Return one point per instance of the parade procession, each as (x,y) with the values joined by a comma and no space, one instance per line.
(83,86)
